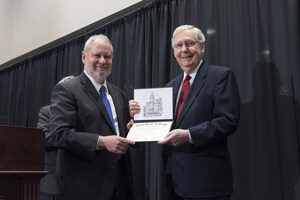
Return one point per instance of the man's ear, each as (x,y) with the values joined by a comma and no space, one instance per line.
(83,57)
(202,47)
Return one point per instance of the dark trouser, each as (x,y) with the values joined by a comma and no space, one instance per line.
(171,194)
(122,190)
(46,196)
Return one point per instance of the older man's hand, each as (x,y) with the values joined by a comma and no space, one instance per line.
(134,107)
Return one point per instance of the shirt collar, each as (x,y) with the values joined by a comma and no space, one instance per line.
(193,74)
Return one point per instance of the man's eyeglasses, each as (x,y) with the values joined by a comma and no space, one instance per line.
(187,44)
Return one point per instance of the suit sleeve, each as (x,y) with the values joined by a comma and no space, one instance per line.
(225,112)
(43,121)
(43,124)
(63,126)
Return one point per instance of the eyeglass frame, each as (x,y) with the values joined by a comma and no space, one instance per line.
(187,44)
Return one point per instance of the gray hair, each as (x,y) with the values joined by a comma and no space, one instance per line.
(198,33)
(97,37)
(66,78)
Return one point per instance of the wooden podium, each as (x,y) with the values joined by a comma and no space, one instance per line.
(21,162)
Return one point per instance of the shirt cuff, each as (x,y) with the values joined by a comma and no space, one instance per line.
(97,148)
(190,137)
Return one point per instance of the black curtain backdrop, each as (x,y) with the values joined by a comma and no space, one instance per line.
(258,39)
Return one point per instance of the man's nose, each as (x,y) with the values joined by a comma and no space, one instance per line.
(102,59)
(184,47)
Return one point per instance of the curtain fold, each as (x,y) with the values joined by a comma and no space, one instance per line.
(258,39)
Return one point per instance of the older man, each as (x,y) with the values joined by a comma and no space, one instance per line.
(206,112)
(89,122)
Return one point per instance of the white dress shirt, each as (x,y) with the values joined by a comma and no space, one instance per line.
(109,98)
(193,75)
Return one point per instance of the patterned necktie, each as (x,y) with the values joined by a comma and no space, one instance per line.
(183,93)
(107,105)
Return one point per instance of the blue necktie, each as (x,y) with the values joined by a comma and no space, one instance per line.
(108,108)
(107,105)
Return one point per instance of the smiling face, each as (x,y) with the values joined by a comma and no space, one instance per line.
(97,60)
(187,51)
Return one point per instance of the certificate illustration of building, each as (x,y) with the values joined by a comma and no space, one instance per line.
(156,104)
(153,107)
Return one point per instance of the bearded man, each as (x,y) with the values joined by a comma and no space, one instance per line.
(89,121)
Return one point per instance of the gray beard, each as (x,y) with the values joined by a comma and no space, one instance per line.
(99,76)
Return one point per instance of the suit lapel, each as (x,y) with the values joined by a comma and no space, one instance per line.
(117,103)
(194,91)
(90,90)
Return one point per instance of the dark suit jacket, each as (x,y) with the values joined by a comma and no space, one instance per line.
(78,117)
(48,182)
(211,113)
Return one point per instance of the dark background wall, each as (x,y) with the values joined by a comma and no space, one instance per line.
(258,39)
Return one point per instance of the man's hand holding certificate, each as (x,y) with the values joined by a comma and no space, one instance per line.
(153,114)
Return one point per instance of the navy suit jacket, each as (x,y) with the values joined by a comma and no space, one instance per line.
(210,112)
(78,117)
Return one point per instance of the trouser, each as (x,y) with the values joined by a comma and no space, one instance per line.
(171,194)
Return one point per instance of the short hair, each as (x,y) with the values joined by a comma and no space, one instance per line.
(66,78)
(97,37)
(198,33)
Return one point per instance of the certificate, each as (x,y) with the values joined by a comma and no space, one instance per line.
(156,116)
(149,131)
